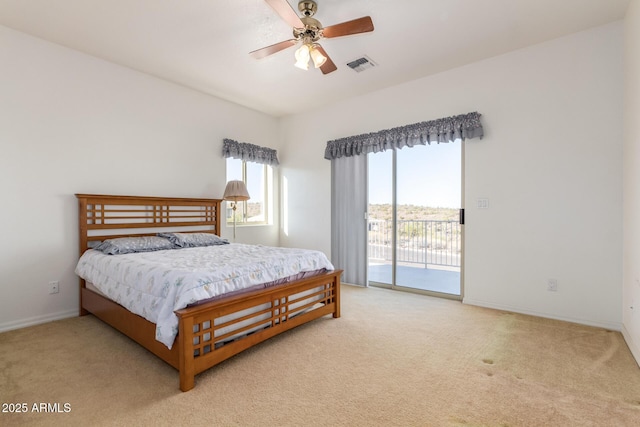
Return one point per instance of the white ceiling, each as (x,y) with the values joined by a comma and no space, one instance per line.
(204,44)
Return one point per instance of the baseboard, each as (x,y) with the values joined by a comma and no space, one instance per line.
(633,346)
(37,320)
(605,325)
(353,284)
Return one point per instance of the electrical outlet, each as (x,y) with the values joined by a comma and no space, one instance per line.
(54,287)
(552,285)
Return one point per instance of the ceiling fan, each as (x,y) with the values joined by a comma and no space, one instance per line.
(308,31)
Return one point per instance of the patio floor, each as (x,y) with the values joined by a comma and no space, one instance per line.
(429,279)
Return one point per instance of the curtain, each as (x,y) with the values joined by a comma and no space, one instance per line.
(448,129)
(349,225)
(249,152)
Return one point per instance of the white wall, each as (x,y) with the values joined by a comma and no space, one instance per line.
(631,195)
(71,123)
(550,163)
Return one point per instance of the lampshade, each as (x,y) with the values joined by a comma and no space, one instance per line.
(236,191)
(317,57)
(302,57)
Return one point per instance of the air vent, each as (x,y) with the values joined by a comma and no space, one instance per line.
(361,64)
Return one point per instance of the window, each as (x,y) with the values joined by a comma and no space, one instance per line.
(258,179)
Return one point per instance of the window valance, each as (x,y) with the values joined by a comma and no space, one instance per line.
(249,152)
(447,129)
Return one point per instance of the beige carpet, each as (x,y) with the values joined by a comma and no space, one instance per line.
(392,359)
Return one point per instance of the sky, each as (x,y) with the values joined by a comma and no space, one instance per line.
(427,176)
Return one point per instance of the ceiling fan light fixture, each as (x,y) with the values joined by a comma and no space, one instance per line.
(318,58)
(302,57)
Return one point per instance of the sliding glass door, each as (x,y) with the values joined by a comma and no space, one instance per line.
(414,231)
(381,235)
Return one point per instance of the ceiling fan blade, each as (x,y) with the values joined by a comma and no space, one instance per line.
(286,12)
(356,26)
(270,50)
(328,66)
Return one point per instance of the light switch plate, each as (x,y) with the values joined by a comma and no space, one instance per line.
(483,203)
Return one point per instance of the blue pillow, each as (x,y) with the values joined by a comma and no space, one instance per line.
(127,245)
(192,240)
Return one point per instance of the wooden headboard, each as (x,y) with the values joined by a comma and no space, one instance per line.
(102,216)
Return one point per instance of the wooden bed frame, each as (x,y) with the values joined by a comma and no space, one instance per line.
(197,347)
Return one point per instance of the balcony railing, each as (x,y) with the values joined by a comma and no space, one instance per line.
(419,242)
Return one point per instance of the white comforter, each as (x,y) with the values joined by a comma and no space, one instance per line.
(155,284)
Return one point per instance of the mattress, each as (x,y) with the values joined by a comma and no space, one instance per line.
(155,284)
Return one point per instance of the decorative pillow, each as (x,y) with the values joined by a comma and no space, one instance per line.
(127,245)
(192,240)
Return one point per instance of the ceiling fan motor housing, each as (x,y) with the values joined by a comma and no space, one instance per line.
(312,29)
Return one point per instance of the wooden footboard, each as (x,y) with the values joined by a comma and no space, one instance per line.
(203,338)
